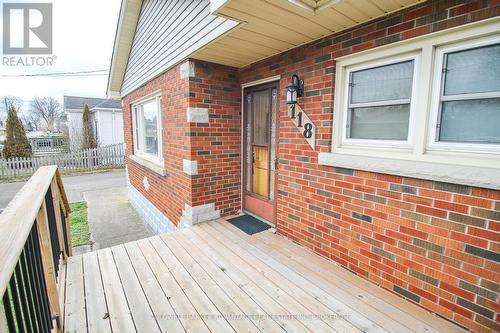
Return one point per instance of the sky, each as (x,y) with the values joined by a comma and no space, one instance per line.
(83,36)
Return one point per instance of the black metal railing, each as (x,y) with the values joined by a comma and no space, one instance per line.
(26,301)
(54,235)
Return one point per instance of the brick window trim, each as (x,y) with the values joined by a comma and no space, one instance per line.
(420,160)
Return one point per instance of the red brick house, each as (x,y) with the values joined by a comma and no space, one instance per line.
(388,163)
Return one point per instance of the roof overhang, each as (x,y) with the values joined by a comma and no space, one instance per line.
(127,23)
(266,28)
(270,27)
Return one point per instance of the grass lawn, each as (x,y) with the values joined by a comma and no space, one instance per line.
(80,234)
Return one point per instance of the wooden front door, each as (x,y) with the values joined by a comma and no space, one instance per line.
(260,147)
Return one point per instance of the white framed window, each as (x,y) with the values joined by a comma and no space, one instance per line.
(443,126)
(466,97)
(147,129)
(379,109)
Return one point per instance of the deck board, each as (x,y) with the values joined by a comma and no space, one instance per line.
(214,292)
(119,312)
(244,301)
(144,319)
(249,285)
(374,309)
(287,294)
(187,314)
(316,267)
(74,309)
(194,293)
(158,301)
(317,300)
(97,314)
(215,278)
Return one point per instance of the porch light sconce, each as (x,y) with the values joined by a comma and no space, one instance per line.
(294,89)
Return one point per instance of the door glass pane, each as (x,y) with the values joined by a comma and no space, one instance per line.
(260,110)
(382,83)
(261,170)
(380,122)
(150,113)
(473,71)
(474,121)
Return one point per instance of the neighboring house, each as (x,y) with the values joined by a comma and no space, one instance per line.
(388,164)
(106,116)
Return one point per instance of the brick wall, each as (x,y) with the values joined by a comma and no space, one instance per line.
(168,193)
(214,145)
(217,145)
(436,244)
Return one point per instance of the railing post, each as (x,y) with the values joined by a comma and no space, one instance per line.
(48,264)
(57,209)
(68,236)
(62,198)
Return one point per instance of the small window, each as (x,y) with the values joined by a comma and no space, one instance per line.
(379,102)
(147,129)
(260,123)
(469,105)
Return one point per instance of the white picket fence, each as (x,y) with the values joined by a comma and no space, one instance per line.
(82,160)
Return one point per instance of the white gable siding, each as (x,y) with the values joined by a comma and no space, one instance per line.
(167,32)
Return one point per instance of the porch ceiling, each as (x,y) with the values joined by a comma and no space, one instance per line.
(270,27)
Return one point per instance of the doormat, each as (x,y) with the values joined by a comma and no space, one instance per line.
(249,224)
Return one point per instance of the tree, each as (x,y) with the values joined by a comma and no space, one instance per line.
(31,120)
(16,142)
(14,101)
(8,101)
(48,108)
(88,138)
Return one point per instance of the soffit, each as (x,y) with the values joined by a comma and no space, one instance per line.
(269,27)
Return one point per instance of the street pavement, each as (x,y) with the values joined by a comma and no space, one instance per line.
(112,219)
(74,185)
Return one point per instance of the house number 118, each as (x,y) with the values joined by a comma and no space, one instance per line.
(308,127)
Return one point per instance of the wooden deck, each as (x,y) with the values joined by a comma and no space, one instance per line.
(214,278)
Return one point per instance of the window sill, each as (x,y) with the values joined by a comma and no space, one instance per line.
(159,169)
(442,172)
